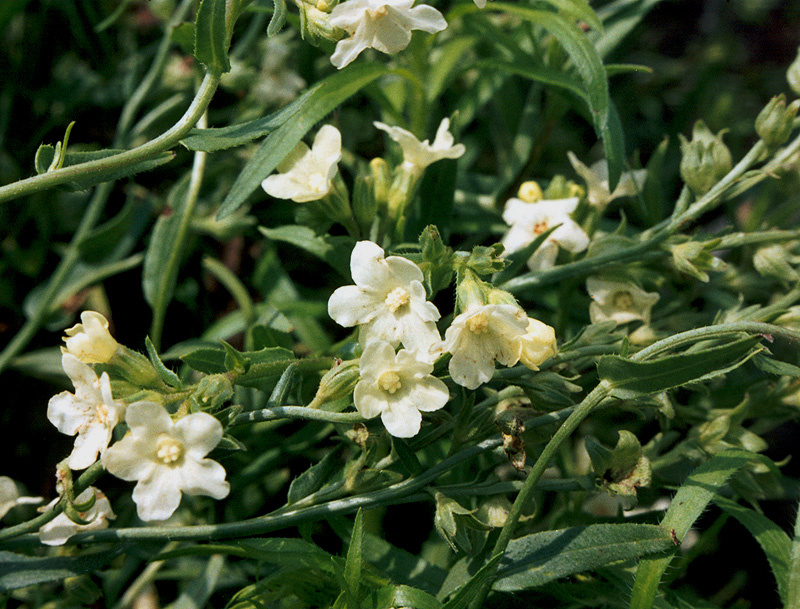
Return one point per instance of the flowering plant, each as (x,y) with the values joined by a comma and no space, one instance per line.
(360,304)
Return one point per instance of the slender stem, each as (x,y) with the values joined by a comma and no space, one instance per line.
(162,143)
(297,412)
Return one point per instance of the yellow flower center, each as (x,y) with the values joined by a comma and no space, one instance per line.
(623,300)
(389,381)
(379,12)
(168,450)
(101,414)
(478,324)
(397,298)
(540,227)
(317,181)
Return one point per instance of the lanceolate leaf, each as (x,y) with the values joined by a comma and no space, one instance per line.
(536,559)
(278,17)
(210,39)
(19,571)
(630,379)
(332,91)
(689,502)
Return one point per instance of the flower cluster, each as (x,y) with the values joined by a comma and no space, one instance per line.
(165,457)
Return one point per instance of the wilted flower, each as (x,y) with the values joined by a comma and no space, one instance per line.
(306,174)
(10,498)
(61,528)
(397,387)
(619,301)
(388,301)
(418,155)
(529,220)
(167,458)
(482,335)
(90,341)
(384,25)
(596,178)
(90,413)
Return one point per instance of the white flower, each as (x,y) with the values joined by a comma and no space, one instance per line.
(384,25)
(397,387)
(388,301)
(90,341)
(90,412)
(619,301)
(61,528)
(482,335)
(538,344)
(596,178)
(9,496)
(306,174)
(529,220)
(167,458)
(418,155)
(480,3)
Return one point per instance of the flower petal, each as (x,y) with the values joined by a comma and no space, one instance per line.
(158,496)
(199,432)
(204,477)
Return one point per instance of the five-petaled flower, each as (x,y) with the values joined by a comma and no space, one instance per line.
(418,155)
(596,178)
(90,341)
(529,220)
(384,25)
(387,302)
(91,412)
(619,301)
(398,387)
(61,528)
(306,174)
(484,334)
(167,458)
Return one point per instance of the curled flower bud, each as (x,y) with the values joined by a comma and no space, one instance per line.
(706,159)
(90,341)
(793,74)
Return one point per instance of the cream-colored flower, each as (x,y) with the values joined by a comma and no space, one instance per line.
(384,25)
(398,388)
(90,413)
(538,344)
(529,220)
(10,497)
(90,341)
(480,3)
(418,155)
(619,301)
(61,528)
(387,302)
(306,174)
(596,178)
(167,458)
(482,335)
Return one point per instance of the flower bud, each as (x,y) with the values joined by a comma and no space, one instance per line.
(770,261)
(530,192)
(706,159)
(337,383)
(213,390)
(471,291)
(695,258)
(774,122)
(793,74)
(90,341)
(315,25)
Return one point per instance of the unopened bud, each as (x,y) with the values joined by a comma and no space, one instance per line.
(774,122)
(706,159)
(770,261)
(213,391)
(793,74)
(337,383)
(315,25)
(90,341)
(530,192)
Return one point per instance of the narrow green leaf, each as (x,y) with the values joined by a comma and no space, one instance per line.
(333,250)
(314,478)
(211,39)
(390,597)
(353,562)
(278,17)
(546,76)
(775,366)
(631,379)
(333,91)
(401,565)
(539,558)
(45,154)
(212,360)
(689,502)
(619,19)
(221,138)
(467,592)
(793,592)
(19,571)
(773,540)
(198,593)
(167,375)
(407,456)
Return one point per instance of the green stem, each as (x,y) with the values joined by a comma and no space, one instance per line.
(396,493)
(793,593)
(297,412)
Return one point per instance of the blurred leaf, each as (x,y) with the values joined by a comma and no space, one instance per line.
(211,39)
(332,91)
(772,539)
(466,593)
(120,234)
(199,591)
(183,36)
(19,571)
(220,138)
(333,250)
(108,174)
(8,8)
(630,379)
(401,565)
(390,597)
(689,502)
(619,19)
